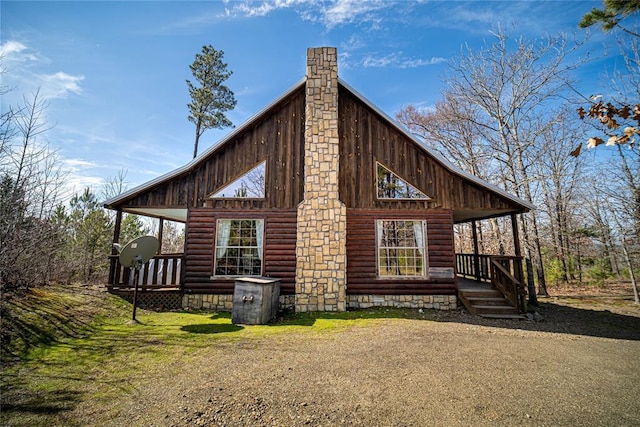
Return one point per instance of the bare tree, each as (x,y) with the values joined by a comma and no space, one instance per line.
(29,190)
(497,120)
(560,178)
(513,86)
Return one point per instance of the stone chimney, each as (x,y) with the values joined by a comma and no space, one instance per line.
(322,220)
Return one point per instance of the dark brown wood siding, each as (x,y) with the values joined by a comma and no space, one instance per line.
(279,251)
(276,137)
(362,271)
(366,137)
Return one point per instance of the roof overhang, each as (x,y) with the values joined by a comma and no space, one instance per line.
(468,215)
(172,214)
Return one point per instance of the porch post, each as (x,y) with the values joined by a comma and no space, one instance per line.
(113,263)
(476,257)
(160,233)
(516,248)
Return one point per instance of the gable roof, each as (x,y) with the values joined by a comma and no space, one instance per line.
(179,214)
(437,156)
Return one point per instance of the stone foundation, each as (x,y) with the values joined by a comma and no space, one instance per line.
(288,302)
(437,302)
(217,302)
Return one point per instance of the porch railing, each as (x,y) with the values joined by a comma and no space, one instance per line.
(503,272)
(504,279)
(162,271)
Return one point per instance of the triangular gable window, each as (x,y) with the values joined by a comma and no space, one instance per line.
(392,187)
(248,186)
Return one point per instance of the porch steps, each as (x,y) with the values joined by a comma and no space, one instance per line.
(481,299)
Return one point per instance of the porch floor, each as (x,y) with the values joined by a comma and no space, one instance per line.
(469,284)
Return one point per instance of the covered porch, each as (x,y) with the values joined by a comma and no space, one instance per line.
(160,280)
(492,285)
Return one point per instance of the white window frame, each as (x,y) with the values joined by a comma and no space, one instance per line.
(423,249)
(220,251)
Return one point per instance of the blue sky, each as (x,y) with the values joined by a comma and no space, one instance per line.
(113,73)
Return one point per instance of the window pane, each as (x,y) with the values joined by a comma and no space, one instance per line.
(238,251)
(401,250)
(391,186)
(250,185)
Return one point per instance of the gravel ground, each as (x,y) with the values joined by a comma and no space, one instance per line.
(575,367)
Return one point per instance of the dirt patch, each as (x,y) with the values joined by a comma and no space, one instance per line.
(577,366)
(399,373)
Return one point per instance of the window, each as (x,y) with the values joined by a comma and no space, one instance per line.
(391,186)
(248,186)
(238,249)
(401,248)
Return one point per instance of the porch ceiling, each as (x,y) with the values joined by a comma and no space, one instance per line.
(172,214)
(467,215)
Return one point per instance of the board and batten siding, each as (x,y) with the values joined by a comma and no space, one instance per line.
(279,252)
(275,137)
(367,138)
(362,269)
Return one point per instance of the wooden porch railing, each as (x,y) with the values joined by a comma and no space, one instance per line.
(503,272)
(502,277)
(162,271)
(474,267)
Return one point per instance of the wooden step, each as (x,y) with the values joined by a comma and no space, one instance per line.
(487,302)
(487,293)
(494,300)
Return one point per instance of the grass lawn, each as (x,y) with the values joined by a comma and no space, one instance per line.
(77,345)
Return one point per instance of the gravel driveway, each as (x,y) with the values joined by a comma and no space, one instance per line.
(576,367)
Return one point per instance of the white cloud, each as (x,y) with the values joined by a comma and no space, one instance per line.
(12,52)
(253,9)
(349,11)
(59,84)
(330,13)
(75,164)
(11,47)
(397,60)
(25,72)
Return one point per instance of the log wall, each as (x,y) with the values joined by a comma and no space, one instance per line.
(280,258)
(279,248)
(362,270)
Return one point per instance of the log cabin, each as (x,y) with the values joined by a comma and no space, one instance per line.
(324,191)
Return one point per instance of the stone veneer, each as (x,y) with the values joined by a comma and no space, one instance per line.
(217,302)
(224,302)
(321,238)
(438,302)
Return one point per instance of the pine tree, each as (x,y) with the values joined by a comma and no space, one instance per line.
(210,97)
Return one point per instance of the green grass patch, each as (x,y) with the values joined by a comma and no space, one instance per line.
(76,346)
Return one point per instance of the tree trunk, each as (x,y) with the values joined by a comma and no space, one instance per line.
(198,133)
(634,284)
(531,286)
